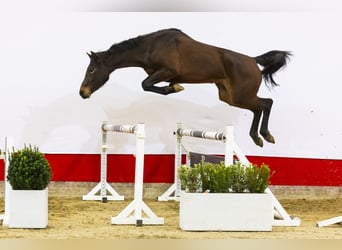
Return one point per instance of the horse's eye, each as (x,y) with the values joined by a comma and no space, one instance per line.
(93,71)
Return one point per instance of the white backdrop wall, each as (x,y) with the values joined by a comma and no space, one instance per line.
(43,61)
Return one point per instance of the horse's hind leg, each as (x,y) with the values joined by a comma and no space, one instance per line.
(253,132)
(253,104)
(259,106)
(264,124)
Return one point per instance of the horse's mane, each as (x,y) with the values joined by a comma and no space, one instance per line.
(125,45)
(134,42)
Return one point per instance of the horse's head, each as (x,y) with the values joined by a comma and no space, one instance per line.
(96,75)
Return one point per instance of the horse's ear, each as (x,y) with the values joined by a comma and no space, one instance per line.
(93,56)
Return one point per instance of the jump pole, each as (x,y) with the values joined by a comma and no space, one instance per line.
(231,149)
(133,213)
(9,144)
(103,187)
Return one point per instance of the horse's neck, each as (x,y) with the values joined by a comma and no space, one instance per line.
(130,57)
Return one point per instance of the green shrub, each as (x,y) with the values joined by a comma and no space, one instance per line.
(237,175)
(218,178)
(214,177)
(257,178)
(28,169)
(189,178)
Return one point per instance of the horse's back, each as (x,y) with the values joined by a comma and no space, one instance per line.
(162,39)
(163,45)
(214,62)
(199,62)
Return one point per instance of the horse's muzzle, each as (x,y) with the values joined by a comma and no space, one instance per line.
(85,92)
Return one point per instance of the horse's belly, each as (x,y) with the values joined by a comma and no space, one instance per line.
(201,75)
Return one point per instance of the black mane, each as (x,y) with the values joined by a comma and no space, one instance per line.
(126,45)
(134,42)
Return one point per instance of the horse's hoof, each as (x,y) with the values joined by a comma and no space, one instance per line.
(258,141)
(269,138)
(177,87)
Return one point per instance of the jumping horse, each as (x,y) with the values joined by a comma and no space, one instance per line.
(171,56)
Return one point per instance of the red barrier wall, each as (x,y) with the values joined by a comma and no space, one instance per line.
(160,169)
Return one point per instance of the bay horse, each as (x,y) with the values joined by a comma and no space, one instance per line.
(171,56)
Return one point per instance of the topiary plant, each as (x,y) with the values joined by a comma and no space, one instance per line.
(28,169)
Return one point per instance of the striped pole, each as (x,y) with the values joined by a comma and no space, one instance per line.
(211,135)
(130,129)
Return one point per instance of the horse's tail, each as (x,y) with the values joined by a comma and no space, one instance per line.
(272,61)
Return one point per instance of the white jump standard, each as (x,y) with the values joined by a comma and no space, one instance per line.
(231,149)
(133,213)
(103,186)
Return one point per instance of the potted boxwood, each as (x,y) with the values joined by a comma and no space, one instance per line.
(29,174)
(216,197)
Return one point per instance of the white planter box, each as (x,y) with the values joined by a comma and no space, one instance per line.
(225,212)
(28,209)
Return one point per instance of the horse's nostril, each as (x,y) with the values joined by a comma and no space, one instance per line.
(82,94)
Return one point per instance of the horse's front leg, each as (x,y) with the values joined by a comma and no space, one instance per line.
(161,76)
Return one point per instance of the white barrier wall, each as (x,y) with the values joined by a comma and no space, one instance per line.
(43,61)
